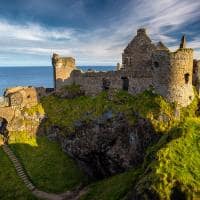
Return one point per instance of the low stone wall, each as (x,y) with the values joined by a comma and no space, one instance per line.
(93,82)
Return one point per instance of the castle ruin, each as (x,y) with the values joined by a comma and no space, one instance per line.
(144,65)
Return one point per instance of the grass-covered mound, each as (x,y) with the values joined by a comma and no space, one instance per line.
(11,186)
(47,166)
(64,112)
(171,168)
(173,171)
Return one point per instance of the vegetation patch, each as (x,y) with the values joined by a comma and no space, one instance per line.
(11,186)
(47,166)
(113,188)
(34,110)
(174,171)
(65,112)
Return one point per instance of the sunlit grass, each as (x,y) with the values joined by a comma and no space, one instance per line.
(48,167)
(11,187)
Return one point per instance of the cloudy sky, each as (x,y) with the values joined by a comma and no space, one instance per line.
(93,31)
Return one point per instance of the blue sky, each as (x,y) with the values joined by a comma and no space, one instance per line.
(95,32)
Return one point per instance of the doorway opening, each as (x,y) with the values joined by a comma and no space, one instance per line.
(125,84)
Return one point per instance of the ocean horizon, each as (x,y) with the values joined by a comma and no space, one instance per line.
(12,76)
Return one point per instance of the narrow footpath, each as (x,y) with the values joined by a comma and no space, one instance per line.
(68,195)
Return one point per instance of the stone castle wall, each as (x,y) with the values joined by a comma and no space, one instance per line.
(144,64)
(93,82)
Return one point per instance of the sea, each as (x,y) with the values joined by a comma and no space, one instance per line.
(35,76)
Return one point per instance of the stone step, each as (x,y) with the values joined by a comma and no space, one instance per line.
(27,182)
(25,179)
(13,160)
(21,173)
(31,187)
(8,152)
(18,167)
(19,170)
(17,164)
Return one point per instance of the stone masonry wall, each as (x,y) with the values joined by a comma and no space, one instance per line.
(63,66)
(137,55)
(92,82)
(172,75)
(196,75)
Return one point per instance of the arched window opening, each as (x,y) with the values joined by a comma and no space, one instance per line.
(186,77)
(156,64)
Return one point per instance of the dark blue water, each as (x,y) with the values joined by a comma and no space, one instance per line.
(34,76)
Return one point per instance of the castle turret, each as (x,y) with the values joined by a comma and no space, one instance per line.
(183,42)
(63,66)
(172,74)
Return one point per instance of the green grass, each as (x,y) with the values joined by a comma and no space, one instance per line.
(48,167)
(64,112)
(113,188)
(176,163)
(34,110)
(11,187)
(171,164)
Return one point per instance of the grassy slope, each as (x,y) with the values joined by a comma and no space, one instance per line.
(63,112)
(176,164)
(173,162)
(47,166)
(171,172)
(113,188)
(11,187)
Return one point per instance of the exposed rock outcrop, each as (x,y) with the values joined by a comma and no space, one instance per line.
(108,144)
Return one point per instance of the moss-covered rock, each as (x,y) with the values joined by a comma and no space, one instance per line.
(64,112)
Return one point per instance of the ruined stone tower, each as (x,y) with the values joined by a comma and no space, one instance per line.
(172,74)
(62,66)
(137,55)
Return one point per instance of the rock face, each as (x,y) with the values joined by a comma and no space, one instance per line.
(16,103)
(108,145)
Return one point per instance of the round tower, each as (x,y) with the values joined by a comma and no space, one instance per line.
(172,74)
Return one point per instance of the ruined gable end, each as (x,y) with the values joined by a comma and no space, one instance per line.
(63,67)
(137,55)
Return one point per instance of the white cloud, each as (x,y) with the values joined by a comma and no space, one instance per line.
(103,45)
